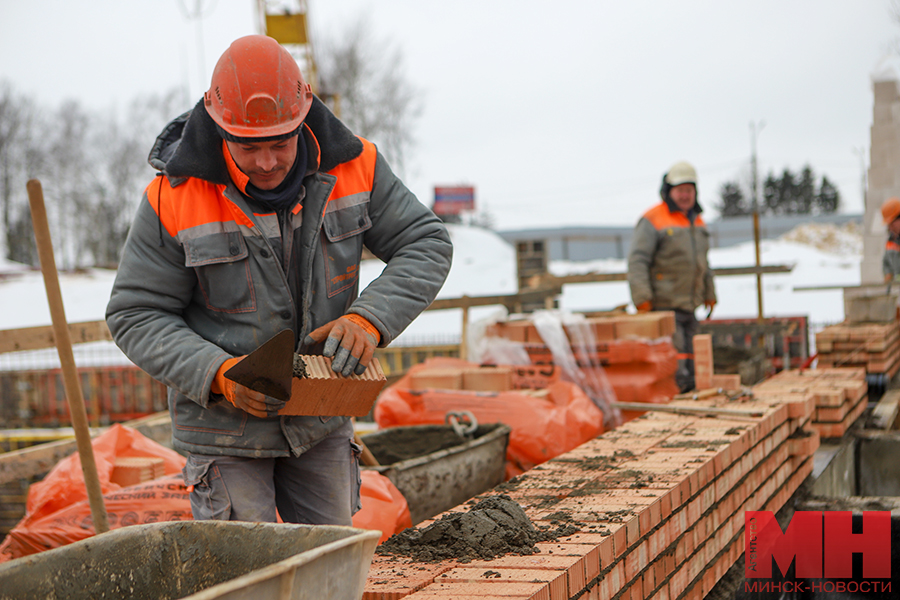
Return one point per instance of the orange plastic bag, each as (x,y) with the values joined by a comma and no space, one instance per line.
(57,511)
(383,506)
(164,499)
(64,485)
(541,427)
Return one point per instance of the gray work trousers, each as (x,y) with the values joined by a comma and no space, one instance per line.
(319,487)
(686,327)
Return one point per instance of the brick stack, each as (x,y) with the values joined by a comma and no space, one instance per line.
(485,378)
(840,395)
(658,503)
(703,361)
(872,346)
(635,353)
(132,470)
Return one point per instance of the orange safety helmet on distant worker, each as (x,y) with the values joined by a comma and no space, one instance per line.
(257,90)
(890,210)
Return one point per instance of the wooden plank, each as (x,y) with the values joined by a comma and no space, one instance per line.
(884,415)
(37,338)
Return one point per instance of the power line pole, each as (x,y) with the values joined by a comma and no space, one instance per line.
(755,128)
(860,151)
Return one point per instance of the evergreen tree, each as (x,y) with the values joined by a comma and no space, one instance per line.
(771,198)
(828,199)
(805,191)
(733,202)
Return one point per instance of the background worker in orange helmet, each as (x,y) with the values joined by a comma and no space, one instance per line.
(890,263)
(667,264)
(254,224)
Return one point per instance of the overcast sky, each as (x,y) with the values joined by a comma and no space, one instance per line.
(559,113)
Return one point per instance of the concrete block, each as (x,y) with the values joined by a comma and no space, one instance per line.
(881,308)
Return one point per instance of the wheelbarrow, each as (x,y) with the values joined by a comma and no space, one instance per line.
(439,479)
(199,560)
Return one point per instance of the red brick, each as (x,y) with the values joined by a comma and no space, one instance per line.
(485,590)
(725,382)
(326,393)
(556,581)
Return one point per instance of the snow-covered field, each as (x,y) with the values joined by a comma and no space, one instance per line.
(484,264)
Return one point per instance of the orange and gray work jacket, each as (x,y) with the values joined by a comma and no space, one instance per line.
(890,263)
(667,263)
(204,275)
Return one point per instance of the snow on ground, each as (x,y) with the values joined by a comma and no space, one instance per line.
(484,264)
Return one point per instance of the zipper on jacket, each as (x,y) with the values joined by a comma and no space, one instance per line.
(281,270)
(319,214)
(694,266)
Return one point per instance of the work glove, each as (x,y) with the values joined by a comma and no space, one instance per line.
(249,401)
(350,343)
(710,305)
(644,307)
(888,277)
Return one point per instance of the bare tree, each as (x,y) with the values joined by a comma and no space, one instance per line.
(374,98)
(123,171)
(93,166)
(16,152)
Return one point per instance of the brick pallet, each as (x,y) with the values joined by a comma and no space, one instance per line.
(841,395)
(659,504)
(872,346)
(634,352)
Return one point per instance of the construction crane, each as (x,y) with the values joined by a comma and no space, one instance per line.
(287,22)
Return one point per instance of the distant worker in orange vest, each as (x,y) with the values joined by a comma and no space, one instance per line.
(667,264)
(256,223)
(890,264)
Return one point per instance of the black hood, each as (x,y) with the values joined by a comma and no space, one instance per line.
(190,145)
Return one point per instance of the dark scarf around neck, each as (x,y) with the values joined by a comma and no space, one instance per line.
(285,195)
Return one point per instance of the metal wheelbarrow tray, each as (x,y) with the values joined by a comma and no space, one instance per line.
(199,560)
(438,481)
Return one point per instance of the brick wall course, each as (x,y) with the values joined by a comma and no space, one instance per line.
(676,497)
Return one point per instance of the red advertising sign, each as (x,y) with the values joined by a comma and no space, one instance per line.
(453,200)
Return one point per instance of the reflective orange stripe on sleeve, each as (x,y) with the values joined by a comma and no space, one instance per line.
(892,246)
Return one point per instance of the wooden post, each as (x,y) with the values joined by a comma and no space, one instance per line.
(464,337)
(66,358)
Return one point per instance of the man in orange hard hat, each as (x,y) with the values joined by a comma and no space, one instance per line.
(890,263)
(667,263)
(256,223)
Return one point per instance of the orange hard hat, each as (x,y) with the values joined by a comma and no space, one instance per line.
(890,210)
(257,90)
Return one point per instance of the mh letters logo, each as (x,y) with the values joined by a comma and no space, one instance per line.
(822,543)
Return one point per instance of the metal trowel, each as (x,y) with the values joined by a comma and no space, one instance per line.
(269,369)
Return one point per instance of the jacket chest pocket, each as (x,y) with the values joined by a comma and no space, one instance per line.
(342,244)
(222,264)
